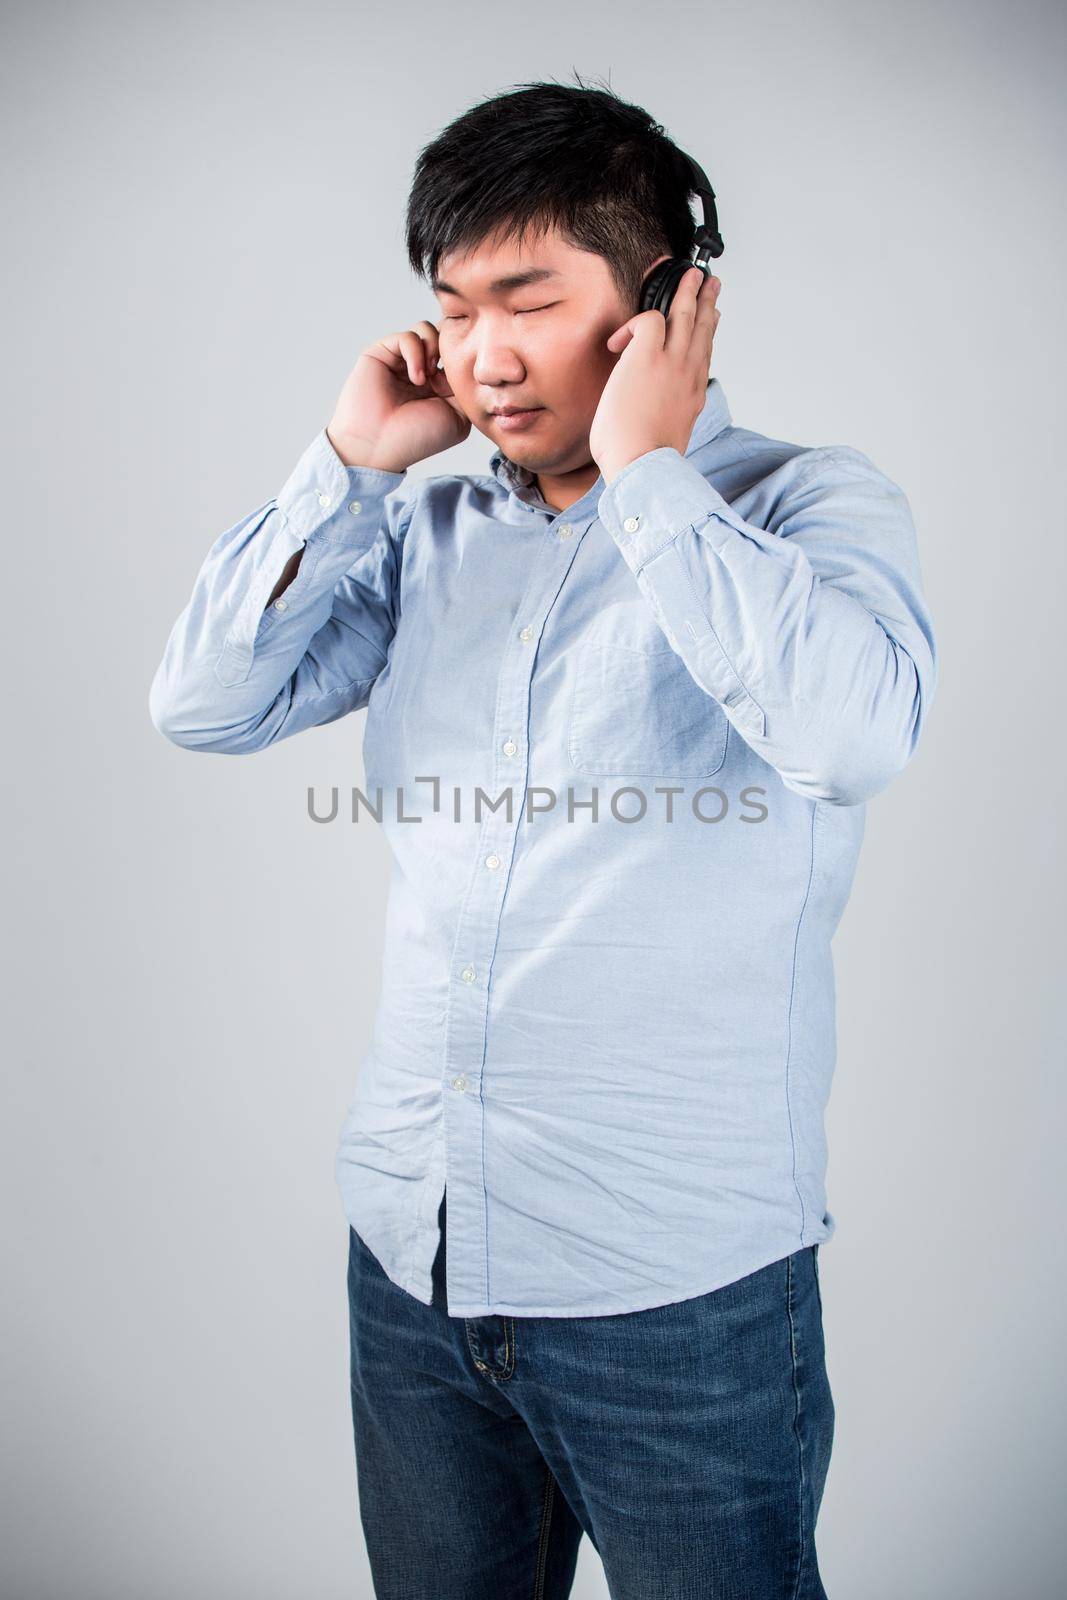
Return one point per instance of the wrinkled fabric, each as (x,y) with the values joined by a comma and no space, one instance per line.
(606,1014)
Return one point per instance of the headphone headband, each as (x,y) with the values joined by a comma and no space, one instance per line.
(659,287)
(708,238)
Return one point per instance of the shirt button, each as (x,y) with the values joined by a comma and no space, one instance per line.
(280,605)
(510,747)
(459,1083)
(355,506)
(468,974)
(565,530)
(632,524)
(492,861)
(526,635)
(324,499)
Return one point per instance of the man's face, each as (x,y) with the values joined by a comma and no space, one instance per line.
(538,340)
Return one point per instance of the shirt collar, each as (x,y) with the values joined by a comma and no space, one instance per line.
(713,418)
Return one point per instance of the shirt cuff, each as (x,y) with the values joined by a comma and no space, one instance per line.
(324,496)
(652,500)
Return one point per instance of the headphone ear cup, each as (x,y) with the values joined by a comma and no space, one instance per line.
(655,286)
(659,287)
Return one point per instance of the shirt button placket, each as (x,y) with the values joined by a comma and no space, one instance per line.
(479,927)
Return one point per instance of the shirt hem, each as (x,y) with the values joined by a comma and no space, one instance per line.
(503,1308)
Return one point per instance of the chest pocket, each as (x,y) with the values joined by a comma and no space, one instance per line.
(635,709)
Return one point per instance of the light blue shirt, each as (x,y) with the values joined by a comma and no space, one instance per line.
(612,1037)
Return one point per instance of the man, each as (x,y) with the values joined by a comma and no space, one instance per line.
(627,695)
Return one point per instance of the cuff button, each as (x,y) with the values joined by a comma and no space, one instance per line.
(632,524)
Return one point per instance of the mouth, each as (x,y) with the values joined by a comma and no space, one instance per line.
(512,418)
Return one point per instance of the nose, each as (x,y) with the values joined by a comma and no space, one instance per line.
(496,365)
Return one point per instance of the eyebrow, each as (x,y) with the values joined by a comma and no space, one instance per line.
(515,280)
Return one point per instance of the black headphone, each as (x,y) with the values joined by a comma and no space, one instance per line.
(659,287)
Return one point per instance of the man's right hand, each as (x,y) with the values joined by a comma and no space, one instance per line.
(397,406)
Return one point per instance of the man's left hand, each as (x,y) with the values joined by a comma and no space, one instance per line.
(658,386)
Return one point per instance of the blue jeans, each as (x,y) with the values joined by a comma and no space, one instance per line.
(690,1441)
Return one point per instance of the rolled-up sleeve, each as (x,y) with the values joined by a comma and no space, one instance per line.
(238,674)
(813,635)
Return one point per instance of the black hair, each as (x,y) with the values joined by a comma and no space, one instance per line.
(549,154)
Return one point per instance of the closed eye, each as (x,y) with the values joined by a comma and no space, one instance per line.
(460,316)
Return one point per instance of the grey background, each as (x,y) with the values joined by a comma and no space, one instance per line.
(204,208)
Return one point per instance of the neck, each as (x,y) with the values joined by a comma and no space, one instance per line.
(561,492)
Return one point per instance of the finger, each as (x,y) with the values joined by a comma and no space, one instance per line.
(400,351)
(414,353)
(649,327)
(704,348)
(707,302)
(412,344)
(430,336)
(387,350)
(705,305)
(621,337)
(706,320)
(427,363)
(683,311)
(708,347)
